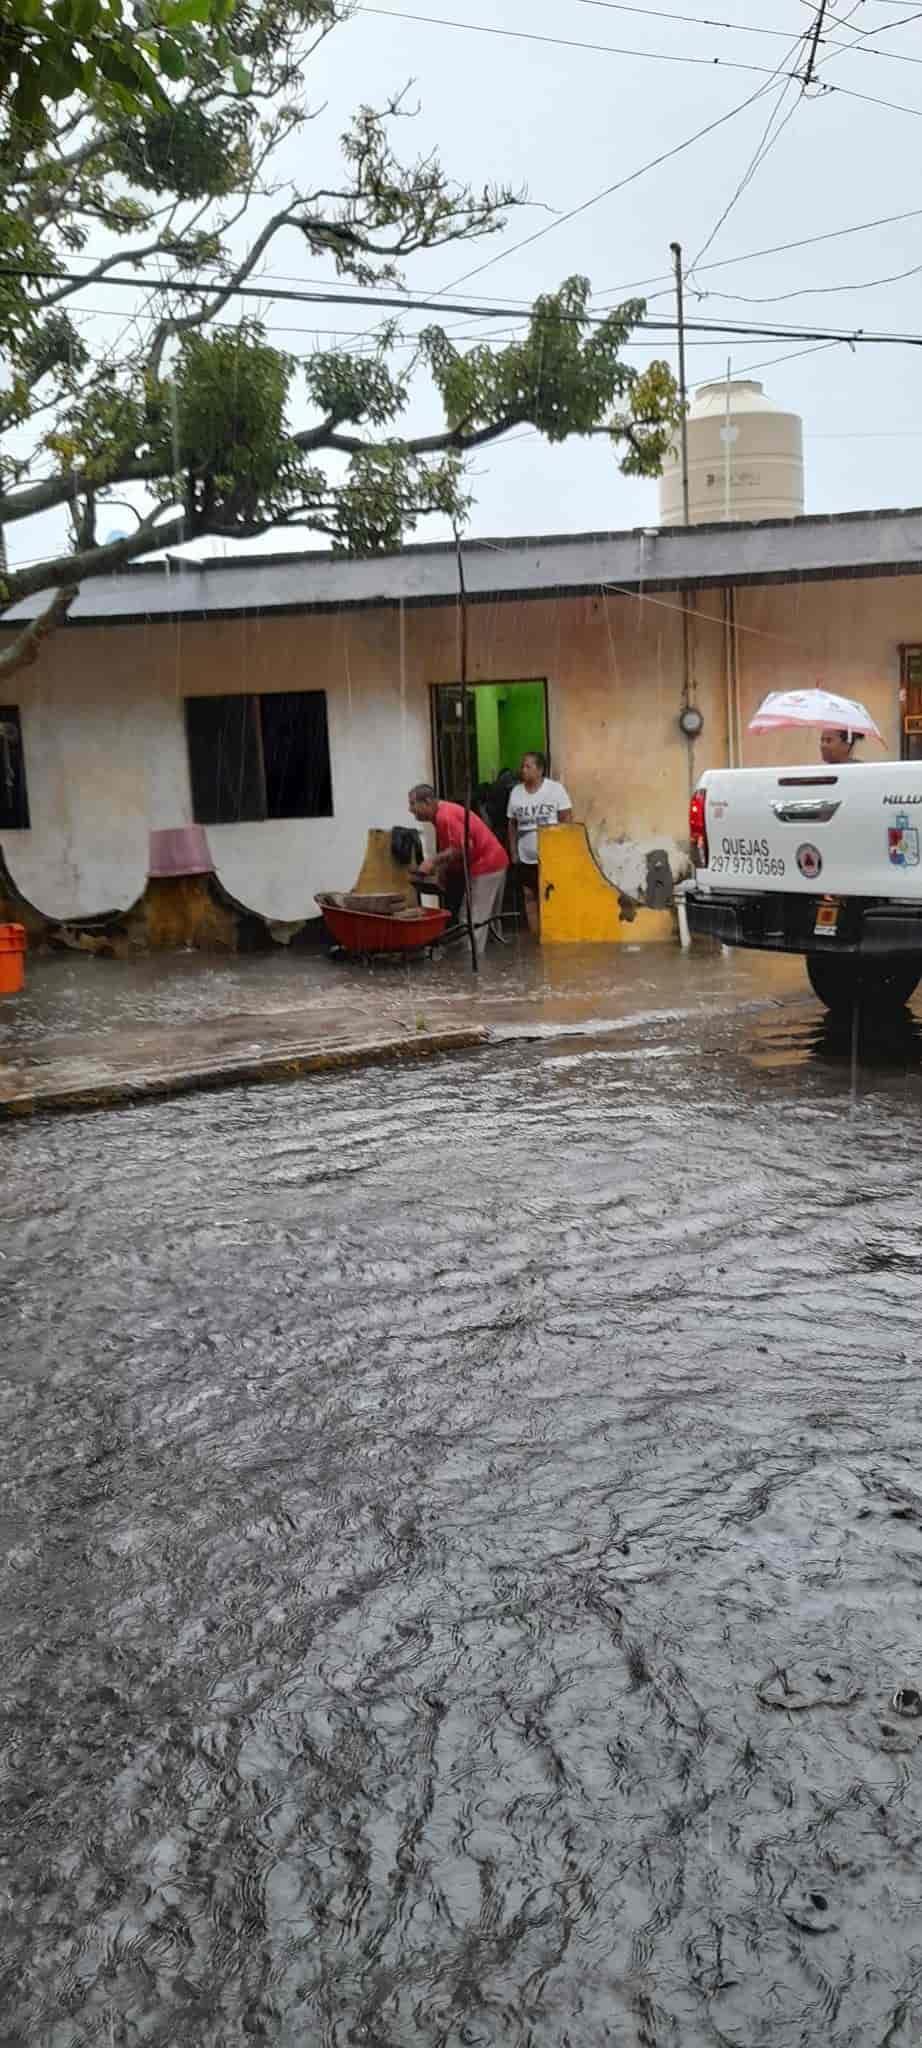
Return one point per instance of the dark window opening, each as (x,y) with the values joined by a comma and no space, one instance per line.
(255,757)
(14,799)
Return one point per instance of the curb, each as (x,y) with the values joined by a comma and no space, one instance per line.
(121,1091)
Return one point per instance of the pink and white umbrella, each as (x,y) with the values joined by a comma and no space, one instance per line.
(784,709)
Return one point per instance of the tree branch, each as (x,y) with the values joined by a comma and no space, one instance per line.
(97,561)
(454,440)
(60,489)
(72,285)
(188,321)
(21,652)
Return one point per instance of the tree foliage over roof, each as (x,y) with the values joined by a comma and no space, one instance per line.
(148,146)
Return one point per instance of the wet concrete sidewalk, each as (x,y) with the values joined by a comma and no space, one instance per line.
(90,1033)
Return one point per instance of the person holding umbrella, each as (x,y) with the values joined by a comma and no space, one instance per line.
(841,721)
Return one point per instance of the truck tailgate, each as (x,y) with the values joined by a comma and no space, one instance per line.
(848,831)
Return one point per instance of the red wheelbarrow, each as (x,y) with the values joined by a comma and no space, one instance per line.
(381,924)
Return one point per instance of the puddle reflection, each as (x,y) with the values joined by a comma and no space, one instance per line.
(799,1034)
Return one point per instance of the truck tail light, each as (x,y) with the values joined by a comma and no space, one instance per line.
(697,828)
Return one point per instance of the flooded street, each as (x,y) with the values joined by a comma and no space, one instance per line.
(462,1538)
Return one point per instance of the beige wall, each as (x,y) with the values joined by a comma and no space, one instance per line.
(844,636)
(105,743)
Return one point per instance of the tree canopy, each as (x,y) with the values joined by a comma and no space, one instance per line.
(162,166)
(51,52)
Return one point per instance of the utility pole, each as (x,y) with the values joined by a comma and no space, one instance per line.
(676,248)
(814,44)
(466,742)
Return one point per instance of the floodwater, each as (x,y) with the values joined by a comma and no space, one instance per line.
(69,997)
(463,1535)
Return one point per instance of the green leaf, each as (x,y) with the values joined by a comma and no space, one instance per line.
(84,15)
(172,60)
(184,13)
(28,98)
(61,72)
(119,69)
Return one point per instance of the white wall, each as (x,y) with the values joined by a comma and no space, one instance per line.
(106,759)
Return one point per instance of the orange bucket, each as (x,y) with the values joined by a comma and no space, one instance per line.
(12,958)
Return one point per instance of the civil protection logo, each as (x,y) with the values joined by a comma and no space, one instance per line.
(903,843)
(810,862)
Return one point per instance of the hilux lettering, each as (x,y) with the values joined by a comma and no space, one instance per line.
(900,802)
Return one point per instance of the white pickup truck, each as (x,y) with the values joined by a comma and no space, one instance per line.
(821,861)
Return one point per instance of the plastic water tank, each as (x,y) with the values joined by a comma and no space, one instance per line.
(745,458)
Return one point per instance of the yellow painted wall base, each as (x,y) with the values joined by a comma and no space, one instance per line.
(379,871)
(180,910)
(175,911)
(581,907)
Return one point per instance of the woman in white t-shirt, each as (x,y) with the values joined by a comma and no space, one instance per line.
(535,801)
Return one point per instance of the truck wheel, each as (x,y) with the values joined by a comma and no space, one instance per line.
(876,984)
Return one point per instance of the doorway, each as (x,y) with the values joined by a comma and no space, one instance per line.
(911,703)
(504,721)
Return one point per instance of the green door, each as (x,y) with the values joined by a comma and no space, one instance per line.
(505,721)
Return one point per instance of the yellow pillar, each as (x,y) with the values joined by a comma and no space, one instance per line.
(580,906)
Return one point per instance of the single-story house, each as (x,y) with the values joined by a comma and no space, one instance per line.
(285,703)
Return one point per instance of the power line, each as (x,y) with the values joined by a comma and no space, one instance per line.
(411,341)
(693,20)
(657,56)
(849,92)
(861,227)
(750,28)
(607,192)
(768,363)
(523,35)
(765,145)
(878,30)
(411,303)
(479,28)
(813,291)
(771,134)
(619,185)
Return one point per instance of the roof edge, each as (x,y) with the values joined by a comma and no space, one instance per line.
(173,563)
(307,607)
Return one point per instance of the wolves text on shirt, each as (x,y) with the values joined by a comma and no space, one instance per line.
(529,808)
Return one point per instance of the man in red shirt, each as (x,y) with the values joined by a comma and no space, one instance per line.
(488,862)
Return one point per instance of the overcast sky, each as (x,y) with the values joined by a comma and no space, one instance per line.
(568,122)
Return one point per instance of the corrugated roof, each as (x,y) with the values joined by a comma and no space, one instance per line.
(842,545)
